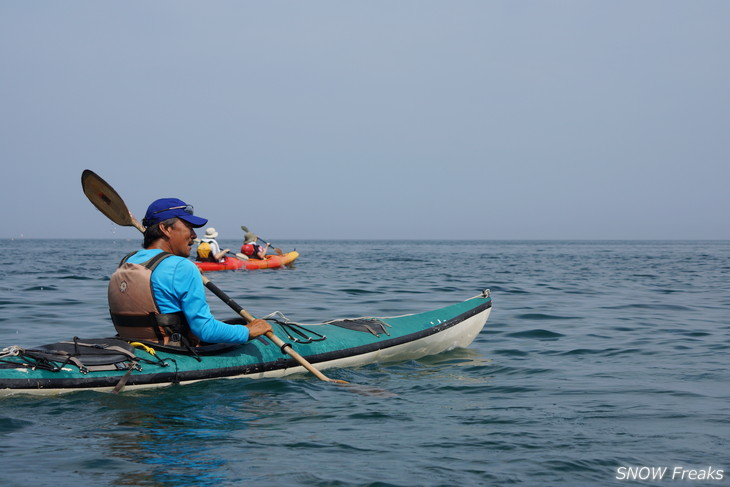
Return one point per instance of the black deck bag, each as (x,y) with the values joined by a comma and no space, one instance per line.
(88,354)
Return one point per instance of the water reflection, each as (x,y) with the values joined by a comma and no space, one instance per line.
(180,435)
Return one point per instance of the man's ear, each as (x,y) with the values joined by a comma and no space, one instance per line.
(165,230)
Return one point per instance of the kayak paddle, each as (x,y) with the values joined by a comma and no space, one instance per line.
(108,201)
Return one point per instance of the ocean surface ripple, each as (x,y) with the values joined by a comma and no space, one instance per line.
(598,355)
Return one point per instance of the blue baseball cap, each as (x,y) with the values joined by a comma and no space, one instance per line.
(164,208)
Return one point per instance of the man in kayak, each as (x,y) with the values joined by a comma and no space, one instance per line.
(208,249)
(251,248)
(157,294)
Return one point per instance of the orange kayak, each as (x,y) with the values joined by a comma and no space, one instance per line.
(272,261)
(233,263)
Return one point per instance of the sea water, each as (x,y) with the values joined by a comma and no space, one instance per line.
(603,362)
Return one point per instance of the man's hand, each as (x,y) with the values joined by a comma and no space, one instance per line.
(258,327)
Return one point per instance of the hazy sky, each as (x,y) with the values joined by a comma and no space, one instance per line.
(371,119)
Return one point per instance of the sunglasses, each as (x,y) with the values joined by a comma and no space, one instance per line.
(187,209)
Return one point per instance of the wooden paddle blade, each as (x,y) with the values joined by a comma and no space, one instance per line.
(107,200)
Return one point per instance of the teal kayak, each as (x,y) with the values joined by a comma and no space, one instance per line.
(111,364)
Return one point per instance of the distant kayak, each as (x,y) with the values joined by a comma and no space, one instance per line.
(234,263)
(272,261)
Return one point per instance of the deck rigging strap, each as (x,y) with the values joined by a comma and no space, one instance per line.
(292,328)
(11,351)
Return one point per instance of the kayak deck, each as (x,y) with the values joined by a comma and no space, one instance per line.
(333,344)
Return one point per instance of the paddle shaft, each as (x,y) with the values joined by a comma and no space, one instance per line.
(285,347)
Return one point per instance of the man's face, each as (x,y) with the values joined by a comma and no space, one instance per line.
(181,236)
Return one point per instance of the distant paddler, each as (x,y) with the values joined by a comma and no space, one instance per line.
(252,249)
(208,248)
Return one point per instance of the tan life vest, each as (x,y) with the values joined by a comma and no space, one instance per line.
(134,311)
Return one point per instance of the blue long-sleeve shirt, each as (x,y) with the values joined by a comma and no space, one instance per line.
(177,286)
